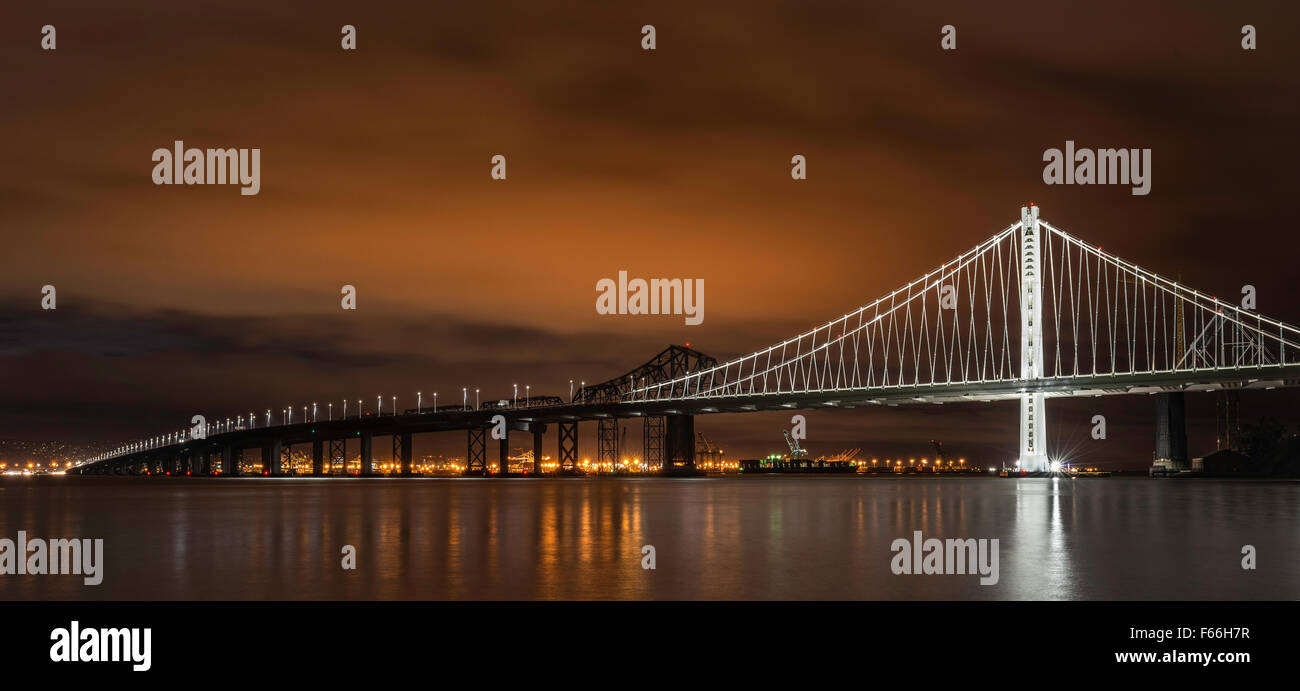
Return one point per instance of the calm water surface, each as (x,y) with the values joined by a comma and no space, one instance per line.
(715,538)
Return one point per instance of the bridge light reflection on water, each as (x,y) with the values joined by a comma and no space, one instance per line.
(783,538)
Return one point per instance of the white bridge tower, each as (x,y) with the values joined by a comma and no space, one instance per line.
(1033,418)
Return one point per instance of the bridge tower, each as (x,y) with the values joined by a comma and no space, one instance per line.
(1033,418)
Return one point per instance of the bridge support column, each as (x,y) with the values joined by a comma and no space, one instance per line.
(317,457)
(278,451)
(404,453)
(537,451)
(476,454)
(503,461)
(1033,417)
(652,445)
(607,443)
(679,444)
(339,455)
(568,447)
(367,454)
(1033,421)
(266,459)
(229,461)
(1171,434)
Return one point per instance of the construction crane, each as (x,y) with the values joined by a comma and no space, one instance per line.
(797,453)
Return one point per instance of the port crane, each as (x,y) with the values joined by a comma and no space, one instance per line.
(707,454)
(797,453)
(846,456)
(943,458)
(938,448)
(706,445)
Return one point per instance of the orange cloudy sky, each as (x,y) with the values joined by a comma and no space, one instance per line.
(665,163)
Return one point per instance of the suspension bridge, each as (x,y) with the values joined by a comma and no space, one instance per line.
(1029,314)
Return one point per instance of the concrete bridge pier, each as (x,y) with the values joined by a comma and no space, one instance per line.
(367,454)
(679,444)
(537,450)
(229,466)
(503,460)
(1171,434)
(317,457)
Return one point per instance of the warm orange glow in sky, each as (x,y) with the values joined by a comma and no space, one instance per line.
(676,163)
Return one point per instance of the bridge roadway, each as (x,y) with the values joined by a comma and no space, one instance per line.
(193,455)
